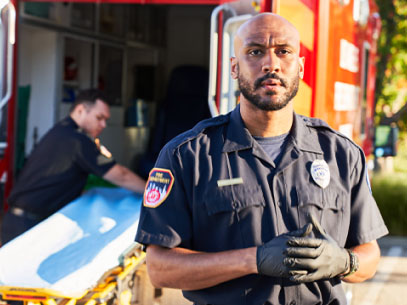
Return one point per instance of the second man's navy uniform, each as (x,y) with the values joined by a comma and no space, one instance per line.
(55,174)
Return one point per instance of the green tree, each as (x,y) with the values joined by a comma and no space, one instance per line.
(391,80)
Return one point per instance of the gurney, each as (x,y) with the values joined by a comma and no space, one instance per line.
(82,254)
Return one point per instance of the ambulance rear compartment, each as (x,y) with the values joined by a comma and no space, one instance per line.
(128,50)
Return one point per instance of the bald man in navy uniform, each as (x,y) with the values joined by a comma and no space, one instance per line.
(261,206)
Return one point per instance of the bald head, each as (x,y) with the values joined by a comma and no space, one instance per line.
(267,26)
(267,64)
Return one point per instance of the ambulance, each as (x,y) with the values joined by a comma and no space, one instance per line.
(131,48)
(164,65)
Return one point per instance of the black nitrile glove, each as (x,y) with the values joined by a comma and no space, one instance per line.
(313,259)
(271,255)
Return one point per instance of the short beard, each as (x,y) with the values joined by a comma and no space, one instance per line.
(265,103)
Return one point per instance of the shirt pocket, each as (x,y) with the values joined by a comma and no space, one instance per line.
(327,206)
(233,198)
(235,213)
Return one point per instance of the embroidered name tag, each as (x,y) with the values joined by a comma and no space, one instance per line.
(232,181)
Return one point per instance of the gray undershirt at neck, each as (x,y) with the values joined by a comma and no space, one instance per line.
(273,146)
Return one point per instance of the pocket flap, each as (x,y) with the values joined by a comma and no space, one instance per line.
(319,197)
(233,198)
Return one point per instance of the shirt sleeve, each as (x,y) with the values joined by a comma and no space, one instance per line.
(165,217)
(90,158)
(366,222)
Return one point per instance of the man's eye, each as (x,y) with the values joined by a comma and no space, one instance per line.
(283,52)
(255,52)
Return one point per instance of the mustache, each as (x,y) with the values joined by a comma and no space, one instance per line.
(257,83)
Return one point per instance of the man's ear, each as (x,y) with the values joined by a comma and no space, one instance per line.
(234,67)
(302,64)
(80,108)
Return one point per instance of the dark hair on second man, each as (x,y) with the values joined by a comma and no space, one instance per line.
(88,97)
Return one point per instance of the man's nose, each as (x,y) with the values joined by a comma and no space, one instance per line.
(271,63)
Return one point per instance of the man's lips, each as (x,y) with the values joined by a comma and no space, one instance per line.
(272,85)
(270,80)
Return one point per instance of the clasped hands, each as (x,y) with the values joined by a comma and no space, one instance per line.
(301,258)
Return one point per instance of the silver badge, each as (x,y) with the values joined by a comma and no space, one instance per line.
(320,173)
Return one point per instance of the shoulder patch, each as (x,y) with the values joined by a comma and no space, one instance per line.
(103,150)
(158,187)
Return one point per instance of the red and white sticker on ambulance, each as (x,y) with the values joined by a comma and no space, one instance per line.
(158,187)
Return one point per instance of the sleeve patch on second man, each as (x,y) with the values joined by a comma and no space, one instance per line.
(158,187)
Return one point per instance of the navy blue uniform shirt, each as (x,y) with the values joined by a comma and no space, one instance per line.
(57,170)
(214,189)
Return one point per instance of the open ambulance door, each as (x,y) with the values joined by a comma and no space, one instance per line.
(7,93)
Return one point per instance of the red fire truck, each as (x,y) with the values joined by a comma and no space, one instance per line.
(129,48)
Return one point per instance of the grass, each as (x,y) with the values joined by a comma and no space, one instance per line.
(390,191)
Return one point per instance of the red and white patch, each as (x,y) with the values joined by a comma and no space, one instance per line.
(158,187)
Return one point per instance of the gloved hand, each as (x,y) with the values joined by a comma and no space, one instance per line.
(271,255)
(322,257)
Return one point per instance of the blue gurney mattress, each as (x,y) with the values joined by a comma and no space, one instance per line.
(70,251)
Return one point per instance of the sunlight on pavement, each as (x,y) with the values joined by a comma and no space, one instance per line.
(389,285)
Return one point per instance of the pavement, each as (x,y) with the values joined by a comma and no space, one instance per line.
(389,285)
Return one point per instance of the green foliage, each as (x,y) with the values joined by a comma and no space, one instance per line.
(400,161)
(390,192)
(391,76)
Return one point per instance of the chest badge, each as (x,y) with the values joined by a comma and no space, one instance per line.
(320,173)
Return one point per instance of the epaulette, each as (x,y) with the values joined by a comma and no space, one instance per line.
(314,122)
(320,124)
(198,129)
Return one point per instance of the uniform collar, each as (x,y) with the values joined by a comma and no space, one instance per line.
(238,137)
(70,122)
(304,136)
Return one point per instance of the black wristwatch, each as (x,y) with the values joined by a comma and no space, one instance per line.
(354,263)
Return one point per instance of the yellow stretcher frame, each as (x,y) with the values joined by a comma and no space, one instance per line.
(116,283)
